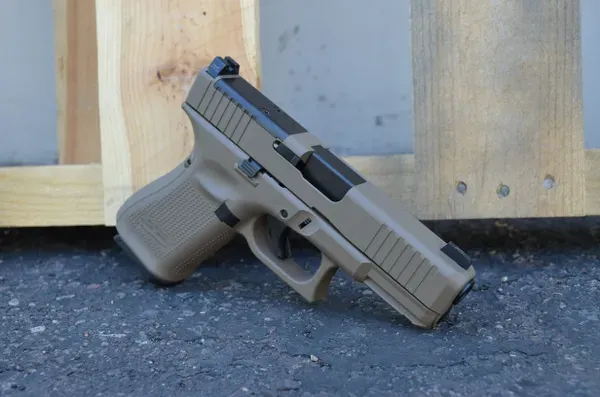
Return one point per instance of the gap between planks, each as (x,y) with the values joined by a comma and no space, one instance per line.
(72,195)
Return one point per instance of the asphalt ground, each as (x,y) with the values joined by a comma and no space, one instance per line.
(78,318)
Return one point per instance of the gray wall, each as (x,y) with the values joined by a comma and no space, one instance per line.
(337,77)
(590,33)
(27,83)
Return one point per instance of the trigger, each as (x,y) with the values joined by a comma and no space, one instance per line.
(278,238)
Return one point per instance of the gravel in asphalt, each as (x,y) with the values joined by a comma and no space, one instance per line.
(79,319)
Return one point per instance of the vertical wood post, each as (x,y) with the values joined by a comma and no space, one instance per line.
(149,54)
(76,66)
(497,108)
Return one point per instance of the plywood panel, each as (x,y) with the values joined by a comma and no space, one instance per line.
(54,195)
(149,53)
(76,81)
(497,106)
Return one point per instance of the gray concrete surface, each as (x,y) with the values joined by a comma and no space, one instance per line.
(342,68)
(27,83)
(316,57)
(78,319)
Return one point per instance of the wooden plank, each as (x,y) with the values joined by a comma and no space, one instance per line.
(497,105)
(592,182)
(56,195)
(73,195)
(149,53)
(394,174)
(76,81)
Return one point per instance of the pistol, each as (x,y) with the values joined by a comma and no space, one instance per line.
(254,171)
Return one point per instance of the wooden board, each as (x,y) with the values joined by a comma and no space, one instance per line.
(76,64)
(73,195)
(56,195)
(497,106)
(394,174)
(149,53)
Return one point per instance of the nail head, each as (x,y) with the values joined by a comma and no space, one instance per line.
(548,182)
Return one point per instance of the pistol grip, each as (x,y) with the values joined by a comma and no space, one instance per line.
(172,225)
(311,287)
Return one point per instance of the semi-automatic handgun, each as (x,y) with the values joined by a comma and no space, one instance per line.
(257,172)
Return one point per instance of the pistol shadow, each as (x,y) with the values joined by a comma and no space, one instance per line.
(235,272)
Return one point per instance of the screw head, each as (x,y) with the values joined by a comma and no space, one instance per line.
(283,213)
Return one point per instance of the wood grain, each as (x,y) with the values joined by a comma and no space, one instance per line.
(497,101)
(149,52)
(56,195)
(76,81)
(394,174)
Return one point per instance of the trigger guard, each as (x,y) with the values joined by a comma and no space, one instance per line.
(278,238)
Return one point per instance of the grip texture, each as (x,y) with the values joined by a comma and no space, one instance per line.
(172,227)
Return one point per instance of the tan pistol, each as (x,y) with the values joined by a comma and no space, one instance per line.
(257,172)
